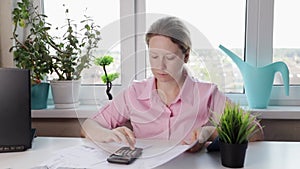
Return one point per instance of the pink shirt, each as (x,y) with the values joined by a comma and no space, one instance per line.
(151,118)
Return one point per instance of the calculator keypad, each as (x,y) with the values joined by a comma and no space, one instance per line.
(126,151)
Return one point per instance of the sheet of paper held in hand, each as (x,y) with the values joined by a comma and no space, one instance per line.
(92,156)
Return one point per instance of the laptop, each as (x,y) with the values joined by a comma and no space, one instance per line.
(15,110)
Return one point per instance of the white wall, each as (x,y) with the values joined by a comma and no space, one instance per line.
(6,58)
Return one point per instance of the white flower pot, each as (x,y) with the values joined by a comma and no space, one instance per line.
(65,93)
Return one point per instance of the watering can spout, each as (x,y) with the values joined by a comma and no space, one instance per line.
(237,60)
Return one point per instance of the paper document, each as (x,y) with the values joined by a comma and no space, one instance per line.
(92,156)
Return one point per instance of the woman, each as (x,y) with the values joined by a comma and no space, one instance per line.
(169,105)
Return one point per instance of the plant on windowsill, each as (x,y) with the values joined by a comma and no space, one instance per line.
(31,51)
(235,127)
(74,52)
(107,78)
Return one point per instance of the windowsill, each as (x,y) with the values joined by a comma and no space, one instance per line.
(85,111)
(279,112)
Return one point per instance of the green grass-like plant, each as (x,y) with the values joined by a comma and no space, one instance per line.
(236,125)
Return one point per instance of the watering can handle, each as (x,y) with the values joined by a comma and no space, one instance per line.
(283,69)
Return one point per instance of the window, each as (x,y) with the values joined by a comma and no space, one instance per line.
(244,26)
(285,44)
(115,42)
(211,23)
(110,29)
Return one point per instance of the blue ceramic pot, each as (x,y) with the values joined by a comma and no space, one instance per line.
(39,95)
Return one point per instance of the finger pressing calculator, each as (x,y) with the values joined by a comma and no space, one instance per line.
(125,155)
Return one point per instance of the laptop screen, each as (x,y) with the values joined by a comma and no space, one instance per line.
(15,110)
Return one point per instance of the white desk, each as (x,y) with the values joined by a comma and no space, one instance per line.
(260,155)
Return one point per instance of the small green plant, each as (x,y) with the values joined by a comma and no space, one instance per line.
(31,52)
(236,125)
(107,78)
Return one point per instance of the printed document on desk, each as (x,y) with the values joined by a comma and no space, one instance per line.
(92,156)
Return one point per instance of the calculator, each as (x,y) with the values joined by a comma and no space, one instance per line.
(125,155)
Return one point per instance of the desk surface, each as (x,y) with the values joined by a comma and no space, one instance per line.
(260,155)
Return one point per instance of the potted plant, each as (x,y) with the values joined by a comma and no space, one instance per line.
(73,54)
(107,78)
(32,50)
(235,127)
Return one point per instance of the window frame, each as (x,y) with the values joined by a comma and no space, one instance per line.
(95,94)
(258,49)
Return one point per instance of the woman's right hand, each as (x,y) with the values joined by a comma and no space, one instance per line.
(122,134)
(95,132)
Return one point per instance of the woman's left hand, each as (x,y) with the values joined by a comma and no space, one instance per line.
(194,138)
(197,147)
(200,136)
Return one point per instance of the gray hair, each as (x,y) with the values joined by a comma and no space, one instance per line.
(173,28)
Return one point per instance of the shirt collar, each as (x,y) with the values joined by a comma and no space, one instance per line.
(150,86)
(186,93)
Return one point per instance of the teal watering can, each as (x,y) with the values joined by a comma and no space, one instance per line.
(258,81)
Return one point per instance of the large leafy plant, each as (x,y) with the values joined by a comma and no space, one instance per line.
(31,52)
(236,125)
(107,78)
(74,50)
